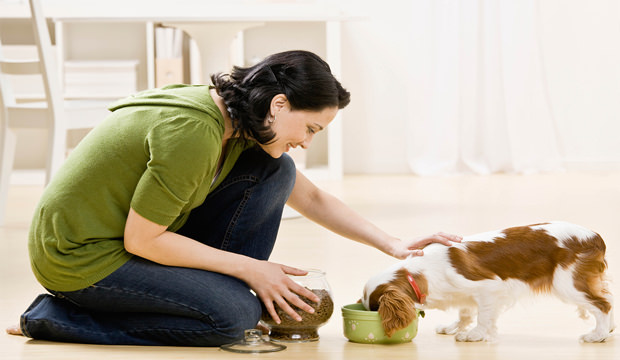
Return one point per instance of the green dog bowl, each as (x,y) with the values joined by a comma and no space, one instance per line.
(363,326)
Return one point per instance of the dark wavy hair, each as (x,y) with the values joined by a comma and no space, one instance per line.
(303,77)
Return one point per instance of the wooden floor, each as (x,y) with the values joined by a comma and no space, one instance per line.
(540,328)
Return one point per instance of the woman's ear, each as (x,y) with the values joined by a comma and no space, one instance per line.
(397,310)
(277,103)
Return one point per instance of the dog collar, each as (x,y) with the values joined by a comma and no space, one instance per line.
(416,288)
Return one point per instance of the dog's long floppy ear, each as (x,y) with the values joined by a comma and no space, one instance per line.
(396,308)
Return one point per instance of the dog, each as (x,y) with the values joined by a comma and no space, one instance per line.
(487,273)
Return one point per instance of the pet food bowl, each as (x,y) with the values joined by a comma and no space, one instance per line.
(363,326)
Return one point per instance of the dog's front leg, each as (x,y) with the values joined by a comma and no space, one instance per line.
(486,328)
(466,318)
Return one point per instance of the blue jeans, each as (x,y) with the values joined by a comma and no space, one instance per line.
(145,303)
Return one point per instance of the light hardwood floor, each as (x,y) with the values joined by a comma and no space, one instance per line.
(538,328)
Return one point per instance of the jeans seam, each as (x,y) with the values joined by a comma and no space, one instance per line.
(128,331)
(203,316)
(186,331)
(233,181)
(233,222)
(22,326)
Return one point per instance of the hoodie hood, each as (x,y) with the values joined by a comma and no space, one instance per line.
(195,97)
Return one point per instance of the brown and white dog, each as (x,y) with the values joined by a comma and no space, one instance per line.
(488,272)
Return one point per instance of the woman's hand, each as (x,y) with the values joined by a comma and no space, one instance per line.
(272,285)
(402,249)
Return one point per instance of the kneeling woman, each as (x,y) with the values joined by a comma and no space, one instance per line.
(162,220)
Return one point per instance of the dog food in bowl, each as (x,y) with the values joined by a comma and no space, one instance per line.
(291,330)
(363,326)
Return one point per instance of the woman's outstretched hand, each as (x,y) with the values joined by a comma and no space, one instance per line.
(272,285)
(405,248)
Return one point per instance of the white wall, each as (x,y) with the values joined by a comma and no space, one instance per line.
(376,51)
(387,60)
(582,55)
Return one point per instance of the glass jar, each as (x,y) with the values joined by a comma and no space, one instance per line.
(291,330)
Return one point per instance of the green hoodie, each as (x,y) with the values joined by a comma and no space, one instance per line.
(157,152)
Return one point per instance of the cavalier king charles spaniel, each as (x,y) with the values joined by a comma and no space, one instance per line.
(486,273)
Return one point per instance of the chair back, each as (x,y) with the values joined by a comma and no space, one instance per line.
(45,65)
(47,61)
(55,114)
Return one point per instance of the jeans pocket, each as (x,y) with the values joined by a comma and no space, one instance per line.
(72,296)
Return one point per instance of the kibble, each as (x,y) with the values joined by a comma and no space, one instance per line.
(290,329)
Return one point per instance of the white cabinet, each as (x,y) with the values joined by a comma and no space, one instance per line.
(123,45)
(104,58)
(99,78)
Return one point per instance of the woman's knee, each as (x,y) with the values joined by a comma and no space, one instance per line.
(287,169)
(237,317)
(282,167)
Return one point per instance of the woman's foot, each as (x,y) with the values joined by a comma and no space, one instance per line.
(14,330)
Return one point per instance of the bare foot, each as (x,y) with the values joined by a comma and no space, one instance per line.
(14,330)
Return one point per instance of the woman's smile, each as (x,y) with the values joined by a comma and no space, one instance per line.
(295,128)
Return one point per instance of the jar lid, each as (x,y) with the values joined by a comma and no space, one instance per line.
(253,342)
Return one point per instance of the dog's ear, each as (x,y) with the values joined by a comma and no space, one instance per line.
(396,308)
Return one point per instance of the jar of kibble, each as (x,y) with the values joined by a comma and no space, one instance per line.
(291,330)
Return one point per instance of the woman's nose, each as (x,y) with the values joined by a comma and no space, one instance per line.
(307,140)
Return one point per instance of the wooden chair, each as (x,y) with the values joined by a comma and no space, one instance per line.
(54,114)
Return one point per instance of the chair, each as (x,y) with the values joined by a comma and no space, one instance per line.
(54,114)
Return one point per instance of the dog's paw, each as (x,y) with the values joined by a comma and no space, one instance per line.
(594,337)
(447,329)
(475,334)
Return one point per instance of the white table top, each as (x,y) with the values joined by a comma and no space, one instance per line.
(178,10)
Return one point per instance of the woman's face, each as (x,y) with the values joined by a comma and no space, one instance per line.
(294,127)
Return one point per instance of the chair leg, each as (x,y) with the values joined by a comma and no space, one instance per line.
(8,142)
(57,151)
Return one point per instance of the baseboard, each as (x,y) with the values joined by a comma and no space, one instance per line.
(589,165)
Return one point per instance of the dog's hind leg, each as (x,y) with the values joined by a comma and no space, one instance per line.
(604,325)
(590,294)
(603,312)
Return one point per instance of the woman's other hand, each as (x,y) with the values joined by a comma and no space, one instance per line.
(405,248)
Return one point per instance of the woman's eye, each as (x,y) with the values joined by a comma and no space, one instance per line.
(311,130)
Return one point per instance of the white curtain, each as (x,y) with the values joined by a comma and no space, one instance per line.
(484,107)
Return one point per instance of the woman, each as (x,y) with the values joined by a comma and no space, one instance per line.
(162,220)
